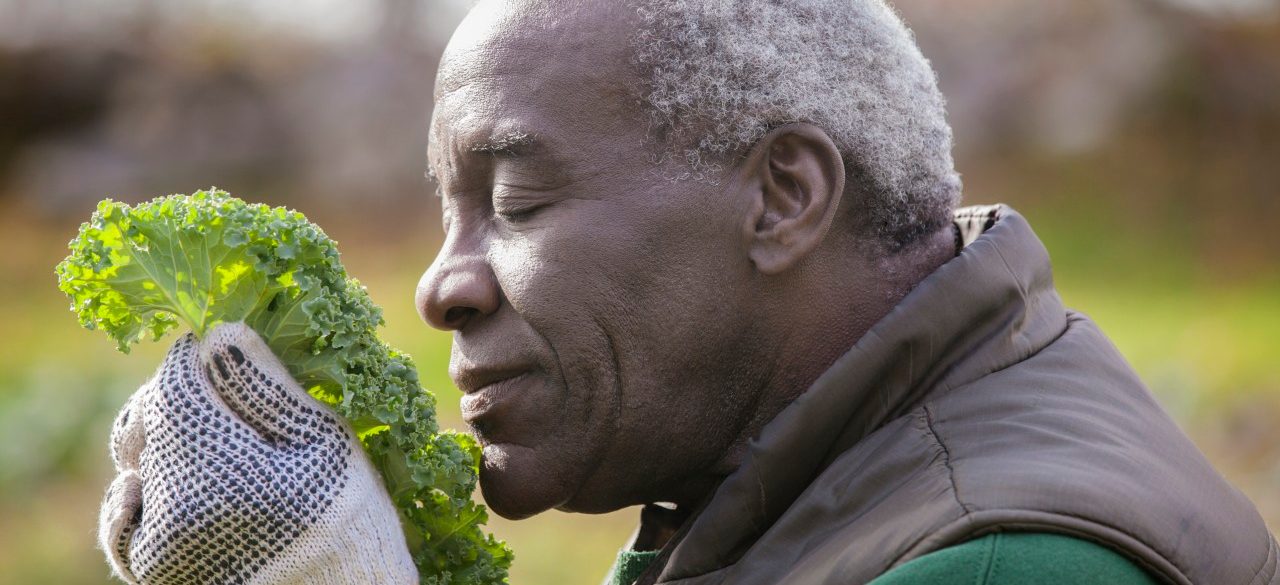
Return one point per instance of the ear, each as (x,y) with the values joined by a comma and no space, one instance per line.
(796,177)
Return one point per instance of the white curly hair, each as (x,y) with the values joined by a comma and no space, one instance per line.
(719,74)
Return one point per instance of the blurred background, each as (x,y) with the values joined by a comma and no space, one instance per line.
(1140,137)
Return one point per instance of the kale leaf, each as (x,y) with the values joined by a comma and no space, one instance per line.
(199,260)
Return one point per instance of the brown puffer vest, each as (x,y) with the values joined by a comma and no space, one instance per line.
(978,405)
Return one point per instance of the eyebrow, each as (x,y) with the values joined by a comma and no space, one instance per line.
(511,143)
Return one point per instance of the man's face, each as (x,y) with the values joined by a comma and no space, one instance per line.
(601,312)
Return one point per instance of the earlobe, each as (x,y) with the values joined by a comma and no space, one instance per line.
(798,178)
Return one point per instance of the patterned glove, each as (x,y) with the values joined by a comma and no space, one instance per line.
(229,472)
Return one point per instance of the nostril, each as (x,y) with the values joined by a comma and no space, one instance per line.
(455,317)
(458,286)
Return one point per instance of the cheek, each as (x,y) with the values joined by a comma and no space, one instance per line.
(623,294)
(566,277)
(555,288)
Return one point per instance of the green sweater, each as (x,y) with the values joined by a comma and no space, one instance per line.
(997,559)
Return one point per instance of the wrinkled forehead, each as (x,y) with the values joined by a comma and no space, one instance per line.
(551,69)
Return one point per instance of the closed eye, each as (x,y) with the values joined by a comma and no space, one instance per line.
(517,204)
(518,214)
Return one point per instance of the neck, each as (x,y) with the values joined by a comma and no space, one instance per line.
(830,304)
(813,318)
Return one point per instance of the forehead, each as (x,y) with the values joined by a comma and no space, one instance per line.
(554,70)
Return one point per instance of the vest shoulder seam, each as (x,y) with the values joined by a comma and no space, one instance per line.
(946,456)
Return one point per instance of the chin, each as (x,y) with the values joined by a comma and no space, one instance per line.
(516,485)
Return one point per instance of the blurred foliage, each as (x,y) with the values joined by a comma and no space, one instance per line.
(1139,137)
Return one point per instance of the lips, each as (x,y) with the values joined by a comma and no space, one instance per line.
(482,407)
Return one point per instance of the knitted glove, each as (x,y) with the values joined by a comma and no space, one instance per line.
(229,472)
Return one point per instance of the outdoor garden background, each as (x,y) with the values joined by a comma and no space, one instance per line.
(1140,137)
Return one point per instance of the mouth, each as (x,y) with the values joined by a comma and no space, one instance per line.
(480,407)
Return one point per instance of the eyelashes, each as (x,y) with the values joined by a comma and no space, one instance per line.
(517,215)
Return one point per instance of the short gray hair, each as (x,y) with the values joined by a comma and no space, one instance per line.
(719,74)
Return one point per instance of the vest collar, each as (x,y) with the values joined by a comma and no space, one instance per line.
(988,308)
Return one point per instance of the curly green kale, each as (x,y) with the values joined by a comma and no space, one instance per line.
(208,258)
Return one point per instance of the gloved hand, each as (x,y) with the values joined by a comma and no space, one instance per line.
(229,472)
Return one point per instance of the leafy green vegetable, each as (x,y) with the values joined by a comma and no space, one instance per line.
(209,258)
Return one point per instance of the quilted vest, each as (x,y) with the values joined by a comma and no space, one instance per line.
(979,404)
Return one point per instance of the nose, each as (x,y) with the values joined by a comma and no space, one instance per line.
(458,287)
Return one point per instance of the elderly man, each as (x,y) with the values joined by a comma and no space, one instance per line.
(704,257)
